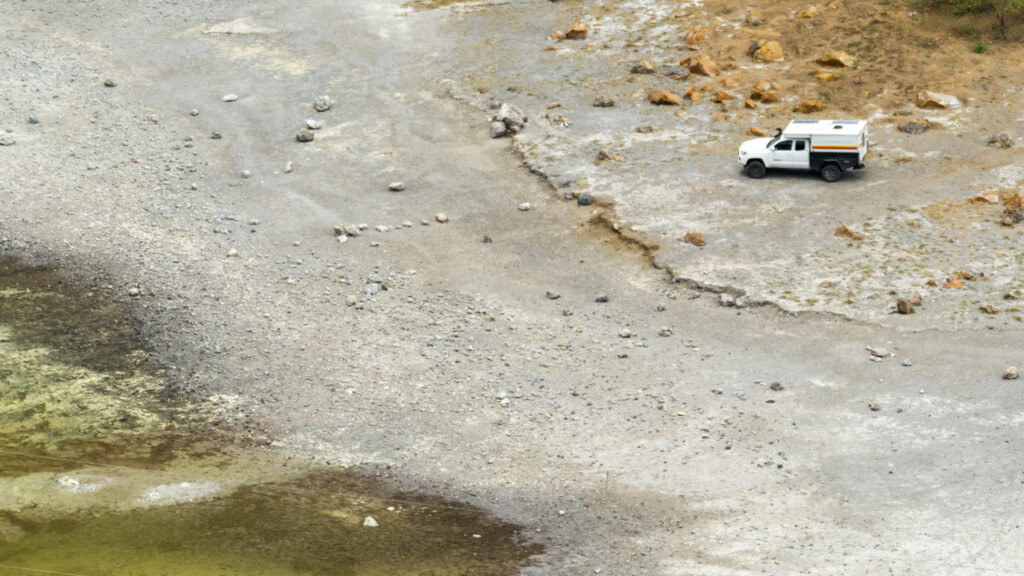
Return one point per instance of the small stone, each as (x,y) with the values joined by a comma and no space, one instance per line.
(314,124)
(246,174)
(904,306)
(525,207)
(839,59)
(215,136)
(776,387)
(577,32)
(644,67)
(133,292)
(695,238)
(304,135)
(232,253)
(406,223)
(954,283)
(194,112)
(229,98)
(644,129)
(585,200)
(604,102)
(498,129)
(914,126)
(381,228)
(625,333)
(878,352)
(873,406)
(289,167)
(33,120)
(1011,373)
(907,362)
(552,295)
(845,231)
(6,139)
(396,186)
(109,83)
(602,298)
(441,217)
(665,331)
(322,103)
(727,300)
(369,522)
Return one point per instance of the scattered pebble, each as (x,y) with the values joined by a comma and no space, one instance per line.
(874,407)
(665,331)
(1011,373)
(369,522)
(314,124)
(232,253)
(322,103)
(441,217)
(525,207)
(109,83)
(33,120)
(6,139)
(602,298)
(907,362)
(229,98)
(215,136)
(396,186)
(776,387)
(289,167)
(585,200)
(625,333)
(246,174)
(552,295)
(194,112)
(304,135)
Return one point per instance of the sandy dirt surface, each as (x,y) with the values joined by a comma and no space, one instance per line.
(633,423)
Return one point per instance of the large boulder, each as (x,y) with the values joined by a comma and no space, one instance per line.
(839,59)
(664,97)
(934,100)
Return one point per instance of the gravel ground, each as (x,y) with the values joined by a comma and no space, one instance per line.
(633,423)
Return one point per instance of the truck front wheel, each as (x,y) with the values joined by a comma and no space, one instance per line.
(831,172)
(756,169)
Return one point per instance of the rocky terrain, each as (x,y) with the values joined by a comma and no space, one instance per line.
(691,374)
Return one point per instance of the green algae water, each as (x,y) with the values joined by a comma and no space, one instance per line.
(101,475)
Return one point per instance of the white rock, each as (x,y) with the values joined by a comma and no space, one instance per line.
(230,97)
(441,217)
(369,522)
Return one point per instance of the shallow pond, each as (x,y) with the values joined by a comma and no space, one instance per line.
(101,474)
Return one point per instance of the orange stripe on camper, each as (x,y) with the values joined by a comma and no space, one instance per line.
(833,147)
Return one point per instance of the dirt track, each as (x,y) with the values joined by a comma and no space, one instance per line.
(452,372)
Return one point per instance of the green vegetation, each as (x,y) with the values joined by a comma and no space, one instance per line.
(1007,12)
(979,47)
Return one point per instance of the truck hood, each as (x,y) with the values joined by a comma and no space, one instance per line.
(756,145)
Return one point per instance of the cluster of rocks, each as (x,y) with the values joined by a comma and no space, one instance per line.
(1001,140)
(509,120)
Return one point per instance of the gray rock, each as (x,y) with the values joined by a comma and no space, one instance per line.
(441,217)
(665,331)
(109,83)
(552,295)
(585,200)
(498,129)
(396,186)
(512,117)
(322,103)
(602,298)
(194,112)
(304,135)
(314,124)
(372,289)
(289,167)
(33,119)
(6,139)
(907,362)
(604,102)
(727,300)
(873,406)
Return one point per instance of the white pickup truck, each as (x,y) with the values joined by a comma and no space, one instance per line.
(825,146)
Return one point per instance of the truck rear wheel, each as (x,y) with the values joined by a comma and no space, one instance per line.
(756,169)
(831,172)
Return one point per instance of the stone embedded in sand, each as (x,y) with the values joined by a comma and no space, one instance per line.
(664,97)
(1001,140)
(6,139)
(604,102)
(644,67)
(839,59)
(396,186)
(904,306)
(823,76)
(577,32)
(916,299)
(750,103)
(693,94)
(990,198)
(809,12)
(808,106)
(936,101)
(1014,201)
(914,127)
(722,96)
(769,51)
(700,65)
(755,131)
(954,283)
(1012,216)
(754,18)
(695,238)
(304,135)
(767,97)
(698,35)
(845,231)
(763,86)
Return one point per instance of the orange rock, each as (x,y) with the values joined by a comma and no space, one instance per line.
(754,18)
(755,131)
(577,32)
(750,103)
(931,282)
(692,94)
(838,58)
(698,35)
(954,283)
(728,82)
(557,35)
(769,97)
(769,51)
(904,306)
(548,48)
(809,12)
(986,198)
(700,65)
(845,231)
(763,86)
(664,97)
(823,76)
(695,238)
(809,106)
(722,96)
(1014,201)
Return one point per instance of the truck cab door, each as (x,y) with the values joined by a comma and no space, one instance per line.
(801,156)
(782,154)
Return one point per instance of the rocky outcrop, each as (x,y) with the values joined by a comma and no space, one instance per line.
(509,120)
